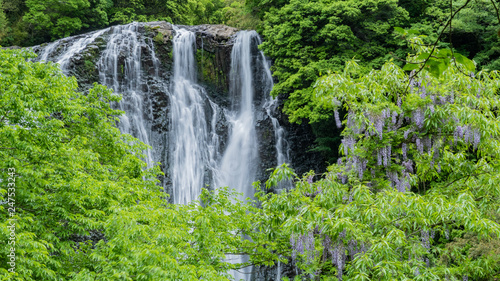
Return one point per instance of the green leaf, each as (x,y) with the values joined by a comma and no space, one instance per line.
(411,66)
(435,67)
(467,63)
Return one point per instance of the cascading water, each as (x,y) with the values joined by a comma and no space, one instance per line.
(238,165)
(124,77)
(239,162)
(240,159)
(271,106)
(69,50)
(195,148)
(120,69)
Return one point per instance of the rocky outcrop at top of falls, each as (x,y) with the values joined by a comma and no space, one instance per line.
(136,60)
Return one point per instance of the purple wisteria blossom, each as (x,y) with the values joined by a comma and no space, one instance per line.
(419,117)
(339,258)
(477,138)
(361,166)
(424,234)
(379,126)
(406,133)
(427,142)
(423,92)
(420,146)
(458,134)
(386,153)
(348,143)
(408,165)
(467,134)
(337,119)
(404,149)
(309,247)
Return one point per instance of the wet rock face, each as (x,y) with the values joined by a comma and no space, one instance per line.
(214,43)
(301,140)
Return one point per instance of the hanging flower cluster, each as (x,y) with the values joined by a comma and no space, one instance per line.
(303,244)
(340,253)
(368,124)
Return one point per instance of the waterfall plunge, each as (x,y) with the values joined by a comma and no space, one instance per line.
(238,165)
(119,68)
(195,148)
(124,44)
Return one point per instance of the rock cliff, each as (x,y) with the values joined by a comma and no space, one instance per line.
(154,48)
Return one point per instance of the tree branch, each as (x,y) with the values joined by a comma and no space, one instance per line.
(448,23)
(496,9)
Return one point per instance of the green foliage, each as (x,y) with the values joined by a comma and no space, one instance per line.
(431,59)
(174,11)
(307,38)
(3,22)
(473,33)
(59,19)
(236,14)
(444,225)
(30,22)
(261,7)
(73,166)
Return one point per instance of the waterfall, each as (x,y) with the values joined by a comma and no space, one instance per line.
(195,148)
(77,47)
(120,69)
(240,159)
(239,162)
(79,42)
(271,106)
(278,271)
(127,63)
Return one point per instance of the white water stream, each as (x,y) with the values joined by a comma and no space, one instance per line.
(238,165)
(125,78)
(194,144)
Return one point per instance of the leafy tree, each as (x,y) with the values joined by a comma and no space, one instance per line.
(174,11)
(14,28)
(236,14)
(59,19)
(419,179)
(473,32)
(72,165)
(261,7)
(307,38)
(3,22)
